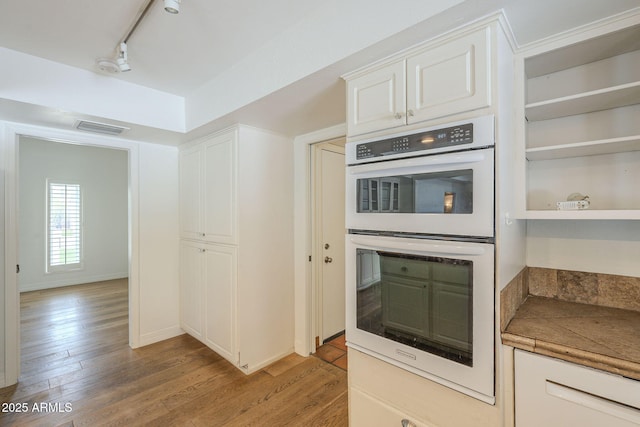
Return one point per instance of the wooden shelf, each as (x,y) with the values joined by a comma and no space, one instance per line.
(585,102)
(585,148)
(593,214)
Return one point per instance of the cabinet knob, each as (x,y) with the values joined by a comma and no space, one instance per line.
(410,113)
(406,423)
(328,259)
(398,116)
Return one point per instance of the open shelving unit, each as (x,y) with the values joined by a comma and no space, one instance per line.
(582,127)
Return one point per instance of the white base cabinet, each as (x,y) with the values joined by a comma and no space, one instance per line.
(550,392)
(381,394)
(236,281)
(208,295)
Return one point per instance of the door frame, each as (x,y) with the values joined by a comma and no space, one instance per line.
(10,134)
(316,235)
(304,343)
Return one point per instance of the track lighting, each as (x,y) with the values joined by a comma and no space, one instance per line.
(121,63)
(172,6)
(118,65)
(123,59)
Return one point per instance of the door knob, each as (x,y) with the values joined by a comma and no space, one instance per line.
(326,246)
(328,259)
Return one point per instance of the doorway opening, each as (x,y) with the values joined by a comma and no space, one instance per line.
(73,249)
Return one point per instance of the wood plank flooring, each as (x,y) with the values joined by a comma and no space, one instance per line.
(78,370)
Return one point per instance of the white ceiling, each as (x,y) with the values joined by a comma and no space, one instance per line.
(180,54)
(172,53)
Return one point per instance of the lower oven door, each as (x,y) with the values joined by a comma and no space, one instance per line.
(449,193)
(426,306)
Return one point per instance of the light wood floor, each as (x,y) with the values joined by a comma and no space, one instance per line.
(77,363)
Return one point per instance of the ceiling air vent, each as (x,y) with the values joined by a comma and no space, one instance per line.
(102,128)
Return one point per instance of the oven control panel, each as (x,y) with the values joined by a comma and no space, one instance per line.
(422,141)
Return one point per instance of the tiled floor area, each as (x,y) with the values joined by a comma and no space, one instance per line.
(334,352)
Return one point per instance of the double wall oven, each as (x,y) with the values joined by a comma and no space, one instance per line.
(420,252)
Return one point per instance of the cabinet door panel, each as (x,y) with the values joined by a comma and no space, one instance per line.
(191,262)
(220,190)
(452,315)
(191,194)
(220,300)
(376,100)
(448,79)
(405,306)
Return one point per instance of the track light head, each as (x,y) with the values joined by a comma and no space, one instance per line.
(172,6)
(123,58)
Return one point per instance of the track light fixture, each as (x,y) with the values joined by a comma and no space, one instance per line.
(172,6)
(123,59)
(121,63)
(118,65)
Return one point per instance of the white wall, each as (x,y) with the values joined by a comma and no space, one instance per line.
(67,88)
(611,247)
(153,243)
(103,177)
(158,243)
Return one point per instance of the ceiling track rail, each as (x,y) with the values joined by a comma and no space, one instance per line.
(141,14)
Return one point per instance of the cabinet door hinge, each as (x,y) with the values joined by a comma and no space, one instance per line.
(17,268)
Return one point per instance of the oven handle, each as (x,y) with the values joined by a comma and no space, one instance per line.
(400,165)
(450,248)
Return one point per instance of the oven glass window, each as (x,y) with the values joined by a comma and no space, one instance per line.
(439,192)
(424,302)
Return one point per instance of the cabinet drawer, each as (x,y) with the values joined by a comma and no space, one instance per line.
(403,267)
(368,411)
(551,392)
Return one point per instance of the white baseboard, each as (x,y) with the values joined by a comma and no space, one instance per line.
(161,335)
(50,284)
(266,362)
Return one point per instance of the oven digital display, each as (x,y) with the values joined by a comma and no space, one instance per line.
(424,141)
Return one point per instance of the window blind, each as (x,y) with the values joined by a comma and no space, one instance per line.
(64,224)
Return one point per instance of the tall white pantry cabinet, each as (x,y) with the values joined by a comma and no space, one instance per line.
(236,246)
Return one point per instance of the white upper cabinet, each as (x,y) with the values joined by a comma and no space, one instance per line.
(449,79)
(220,189)
(579,123)
(191,193)
(426,83)
(377,99)
(208,190)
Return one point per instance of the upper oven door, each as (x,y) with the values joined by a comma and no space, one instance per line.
(444,194)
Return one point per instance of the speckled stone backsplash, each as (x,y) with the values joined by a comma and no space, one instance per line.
(588,288)
(512,296)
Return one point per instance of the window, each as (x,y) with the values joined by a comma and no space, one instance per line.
(64,226)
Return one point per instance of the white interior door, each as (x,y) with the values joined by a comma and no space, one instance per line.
(330,213)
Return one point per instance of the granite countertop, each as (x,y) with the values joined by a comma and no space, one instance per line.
(599,337)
